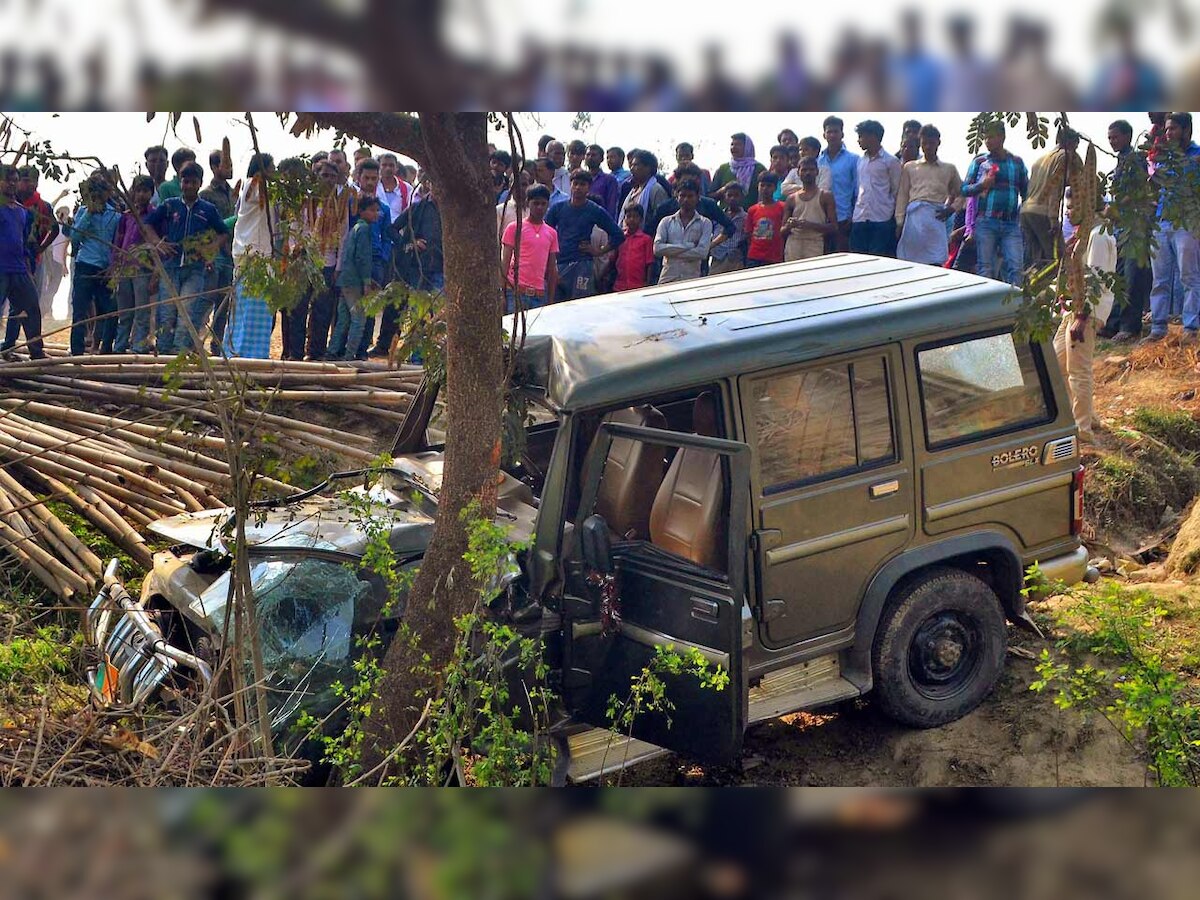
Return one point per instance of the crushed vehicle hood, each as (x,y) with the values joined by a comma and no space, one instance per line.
(334,523)
(405,497)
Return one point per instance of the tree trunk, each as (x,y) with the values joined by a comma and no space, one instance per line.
(453,149)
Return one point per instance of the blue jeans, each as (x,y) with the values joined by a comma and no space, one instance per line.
(191,282)
(996,238)
(1178,252)
(133,314)
(528,301)
(23,312)
(92,298)
(348,330)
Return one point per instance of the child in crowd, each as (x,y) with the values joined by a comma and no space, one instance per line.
(729,253)
(134,269)
(764,225)
(635,256)
(355,281)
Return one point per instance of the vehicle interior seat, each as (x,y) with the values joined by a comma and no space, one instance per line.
(688,516)
(632,474)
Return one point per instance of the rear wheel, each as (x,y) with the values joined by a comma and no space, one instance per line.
(939,648)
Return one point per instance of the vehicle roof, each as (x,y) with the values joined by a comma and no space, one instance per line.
(615,347)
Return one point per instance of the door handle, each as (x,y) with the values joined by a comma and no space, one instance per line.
(885,489)
(765,539)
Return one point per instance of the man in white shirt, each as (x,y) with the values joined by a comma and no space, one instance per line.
(393,192)
(874,228)
(556,152)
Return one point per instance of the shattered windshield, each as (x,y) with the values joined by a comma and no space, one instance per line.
(308,610)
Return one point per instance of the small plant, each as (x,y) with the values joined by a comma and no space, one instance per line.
(1131,686)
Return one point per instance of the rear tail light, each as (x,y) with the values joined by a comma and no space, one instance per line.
(1077,503)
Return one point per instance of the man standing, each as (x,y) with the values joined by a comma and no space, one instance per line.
(419,234)
(685,155)
(1075,341)
(1177,169)
(156,168)
(605,187)
(220,194)
(16,284)
(394,192)
(327,221)
(381,246)
(779,165)
(683,238)
(92,238)
(1125,323)
(810,217)
(874,229)
(576,150)
(643,187)
(1041,213)
(910,142)
(930,191)
(729,255)
(843,179)
(537,276)
(191,234)
(500,164)
(574,221)
(543,174)
(742,167)
(45,230)
(615,157)
(999,182)
(556,152)
(174,188)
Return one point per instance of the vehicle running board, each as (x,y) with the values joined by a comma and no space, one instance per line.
(596,752)
(806,685)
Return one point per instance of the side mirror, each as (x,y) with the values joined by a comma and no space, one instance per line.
(596,544)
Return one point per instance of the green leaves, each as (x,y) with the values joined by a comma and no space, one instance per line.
(1135,690)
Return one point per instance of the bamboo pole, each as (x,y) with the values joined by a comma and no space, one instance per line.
(43,559)
(51,522)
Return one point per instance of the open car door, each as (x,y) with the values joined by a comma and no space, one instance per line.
(624,599)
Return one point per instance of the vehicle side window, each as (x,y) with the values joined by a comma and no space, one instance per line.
(975,388)
(817,423)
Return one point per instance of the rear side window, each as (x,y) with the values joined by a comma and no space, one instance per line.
(980,387)
(823,422)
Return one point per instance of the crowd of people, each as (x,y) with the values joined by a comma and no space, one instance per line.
(169,260)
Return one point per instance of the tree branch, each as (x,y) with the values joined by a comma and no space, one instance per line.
(399,132)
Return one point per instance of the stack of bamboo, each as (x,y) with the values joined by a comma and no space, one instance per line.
(371,390)
(121,473)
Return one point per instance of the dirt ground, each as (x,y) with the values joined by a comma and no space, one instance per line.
(1016,738)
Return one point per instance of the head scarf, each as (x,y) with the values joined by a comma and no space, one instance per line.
(744,166)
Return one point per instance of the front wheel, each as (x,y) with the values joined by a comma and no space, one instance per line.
(939,649)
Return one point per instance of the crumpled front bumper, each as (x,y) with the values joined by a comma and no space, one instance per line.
(133,657)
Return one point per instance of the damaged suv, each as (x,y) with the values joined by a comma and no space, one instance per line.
(827,477)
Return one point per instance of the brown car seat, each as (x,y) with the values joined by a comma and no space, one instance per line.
(632,474)
(688,516)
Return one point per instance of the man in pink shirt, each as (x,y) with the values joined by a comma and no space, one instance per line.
(537,277)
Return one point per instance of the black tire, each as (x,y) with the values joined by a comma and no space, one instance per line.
(939,648)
